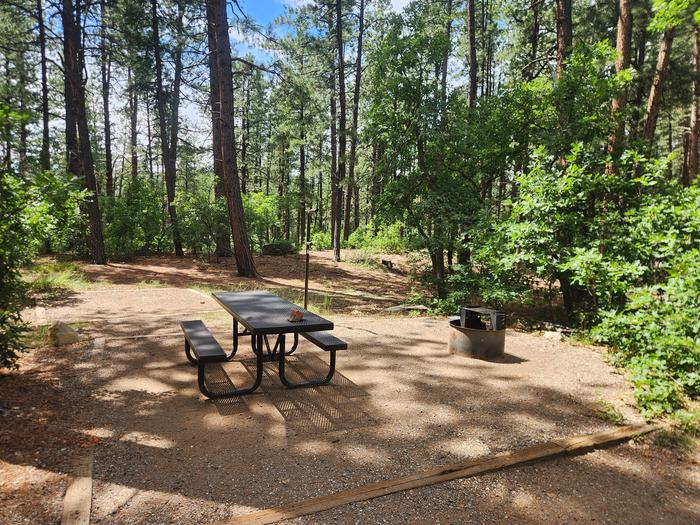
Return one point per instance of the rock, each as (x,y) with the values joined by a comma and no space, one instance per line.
(407,307)
(552,336)
(61,334)
(279,248)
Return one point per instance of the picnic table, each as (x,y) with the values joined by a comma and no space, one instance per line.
(262,314)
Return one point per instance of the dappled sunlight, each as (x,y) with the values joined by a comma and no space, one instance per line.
(400,403)
(148,440)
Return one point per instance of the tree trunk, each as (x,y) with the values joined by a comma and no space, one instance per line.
(473,65)
(639,60)
(655,93)
(149,138)
(565,33)
(223,240)
(352,186)
(335,211)
(75,112)
(218,25)
(245,128)
(690,166)
(45,155)
(301,228)
(133,119)
(105,74)
(342,132)
(169,173)
(624,47)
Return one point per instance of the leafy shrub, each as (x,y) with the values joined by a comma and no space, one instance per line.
(387,238)
(261,217)
(202,219)
(14,251)
(656,336)
(132,220)
(53,213)
(321,241)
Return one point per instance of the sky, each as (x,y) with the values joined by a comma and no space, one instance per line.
(265,11)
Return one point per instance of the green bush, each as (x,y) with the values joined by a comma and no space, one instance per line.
(261,215)
(15,249)
(321,241)
(133,220)
(656,336)
(202,219)
(53,213)
(387,238)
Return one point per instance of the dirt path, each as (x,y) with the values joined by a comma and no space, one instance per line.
(400,404)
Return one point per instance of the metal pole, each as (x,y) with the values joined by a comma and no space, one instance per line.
(306,270)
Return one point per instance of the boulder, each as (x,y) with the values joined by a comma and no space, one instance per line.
(552,335)
(279,248)
(61,334)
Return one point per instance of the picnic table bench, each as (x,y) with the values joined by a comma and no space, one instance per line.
(262,314)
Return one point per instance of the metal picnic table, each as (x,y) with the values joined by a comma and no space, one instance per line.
(263,314)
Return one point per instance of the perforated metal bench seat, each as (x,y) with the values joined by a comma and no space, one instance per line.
(325,340)
(201,342)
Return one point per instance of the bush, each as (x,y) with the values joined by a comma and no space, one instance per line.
(656,336)
(54,215)
(321,241)
(133,220)
(387,238)
(14,251)
(261,217)
(202,219)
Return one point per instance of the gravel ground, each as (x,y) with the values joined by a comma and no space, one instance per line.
(400,404)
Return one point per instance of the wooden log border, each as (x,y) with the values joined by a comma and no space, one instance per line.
(551,449)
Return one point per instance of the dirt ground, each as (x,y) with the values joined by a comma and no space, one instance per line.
(399,404)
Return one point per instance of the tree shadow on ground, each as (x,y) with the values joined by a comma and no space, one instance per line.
(158,441)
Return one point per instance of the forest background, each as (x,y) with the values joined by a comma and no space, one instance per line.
(540,153)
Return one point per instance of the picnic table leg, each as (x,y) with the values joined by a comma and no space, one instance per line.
(314,382)
(188,353)
(256,344)
(236,334)
(272,352)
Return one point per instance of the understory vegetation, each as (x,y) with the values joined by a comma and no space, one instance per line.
(541,156)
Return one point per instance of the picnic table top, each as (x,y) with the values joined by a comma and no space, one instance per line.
(263,312)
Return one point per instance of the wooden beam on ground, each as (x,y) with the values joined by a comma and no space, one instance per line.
(557,447)
(78,500)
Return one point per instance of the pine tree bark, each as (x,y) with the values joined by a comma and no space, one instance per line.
(352,161)
(105,75)
(624,49)
(76,113)
(473,65)
(335,211)
(565,35)
(223,240)
(169,174)
(653,107)
(690,165)
(301,227)
(342,131)
(133,120)
(45,155)
(218,25)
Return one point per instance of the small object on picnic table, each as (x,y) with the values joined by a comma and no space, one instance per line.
(295,316)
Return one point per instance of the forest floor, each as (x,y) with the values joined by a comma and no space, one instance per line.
(125,397)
